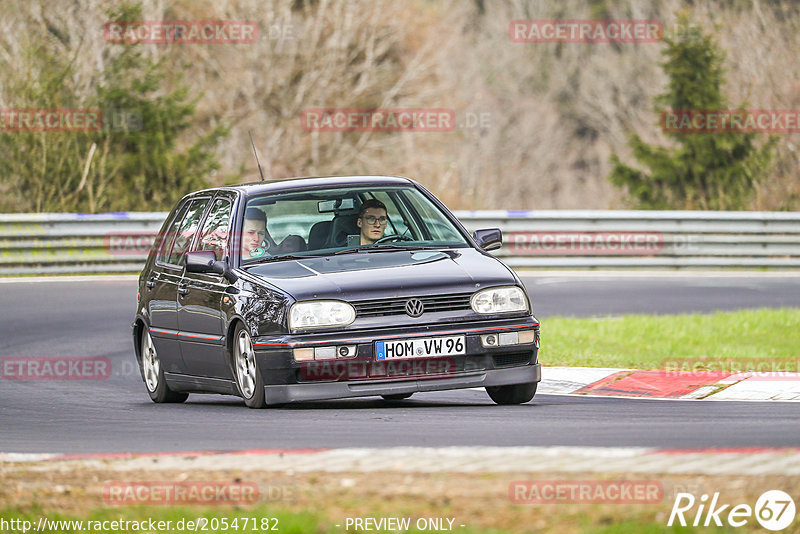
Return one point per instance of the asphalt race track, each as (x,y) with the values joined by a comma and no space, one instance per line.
(92,318)
(582,295)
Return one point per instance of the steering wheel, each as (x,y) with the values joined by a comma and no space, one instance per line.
(396,237)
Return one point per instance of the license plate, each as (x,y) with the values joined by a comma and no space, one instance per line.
(424,347)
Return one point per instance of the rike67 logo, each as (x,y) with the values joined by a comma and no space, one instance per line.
(774,510)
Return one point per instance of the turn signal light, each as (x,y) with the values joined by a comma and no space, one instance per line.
(505,339)
(324,353)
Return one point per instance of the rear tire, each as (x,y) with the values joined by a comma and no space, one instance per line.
(153,374)
(245,369)
(396,396)
(514,394)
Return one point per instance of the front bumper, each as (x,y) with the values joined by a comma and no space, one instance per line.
(287,380)
(280,394)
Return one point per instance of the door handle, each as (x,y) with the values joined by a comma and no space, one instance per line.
(183,291)
(150,284)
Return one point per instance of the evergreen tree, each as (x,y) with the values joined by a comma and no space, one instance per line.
(142,158)
(713,170)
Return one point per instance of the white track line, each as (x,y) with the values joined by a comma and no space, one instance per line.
(451,460)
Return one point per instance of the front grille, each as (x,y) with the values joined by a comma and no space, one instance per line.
(397,306)
(510,360)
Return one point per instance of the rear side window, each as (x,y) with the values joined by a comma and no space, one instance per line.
(186,231)
(214,235)
(169,236)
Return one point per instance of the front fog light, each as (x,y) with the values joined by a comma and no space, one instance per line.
(346,351)
(324,353)
(505,339)
(489,340)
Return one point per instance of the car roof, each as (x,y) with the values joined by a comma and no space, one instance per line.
(315,182)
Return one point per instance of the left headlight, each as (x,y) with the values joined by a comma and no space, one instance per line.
(499,300)
(320,313)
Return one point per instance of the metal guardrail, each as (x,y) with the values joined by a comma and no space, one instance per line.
(57,243)
(644,239)
(583,239)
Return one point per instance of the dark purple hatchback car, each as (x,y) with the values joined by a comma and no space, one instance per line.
(326,288)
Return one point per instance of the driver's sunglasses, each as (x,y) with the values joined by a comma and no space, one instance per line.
(372,220)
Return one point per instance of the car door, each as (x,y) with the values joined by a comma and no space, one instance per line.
(165,280)
(162,286)
(200,319)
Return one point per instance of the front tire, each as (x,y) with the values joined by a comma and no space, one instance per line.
(153,374)
(514,394)
(248,377)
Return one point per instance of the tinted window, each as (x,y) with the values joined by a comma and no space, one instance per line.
(186,231)
(169,237)
(215,230)
(327,221)
(396,223)
(293,218)
(437,228)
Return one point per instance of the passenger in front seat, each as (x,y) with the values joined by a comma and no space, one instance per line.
(257,242)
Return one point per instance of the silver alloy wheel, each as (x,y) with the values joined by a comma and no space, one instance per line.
(245,364)
(150,362)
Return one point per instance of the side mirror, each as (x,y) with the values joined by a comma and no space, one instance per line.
(205,261)
(488,238)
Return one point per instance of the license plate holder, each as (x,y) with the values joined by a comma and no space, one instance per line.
(422,347)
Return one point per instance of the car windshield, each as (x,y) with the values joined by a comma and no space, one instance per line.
(342,221)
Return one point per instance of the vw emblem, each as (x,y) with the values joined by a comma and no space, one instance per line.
(414,307)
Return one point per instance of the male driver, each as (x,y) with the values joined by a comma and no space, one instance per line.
(371,221)
(254,232)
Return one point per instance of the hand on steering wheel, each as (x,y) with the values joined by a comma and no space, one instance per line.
(396,237)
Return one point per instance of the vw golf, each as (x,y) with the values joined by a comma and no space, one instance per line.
(327,288)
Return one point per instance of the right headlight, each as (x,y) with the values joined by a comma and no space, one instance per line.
(320,313)
(504,299)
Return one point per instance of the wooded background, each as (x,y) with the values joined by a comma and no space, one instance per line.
(551,114)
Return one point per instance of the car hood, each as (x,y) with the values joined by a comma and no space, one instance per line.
(385,274)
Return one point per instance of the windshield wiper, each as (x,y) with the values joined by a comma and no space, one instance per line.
(281,257)
(383,248)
